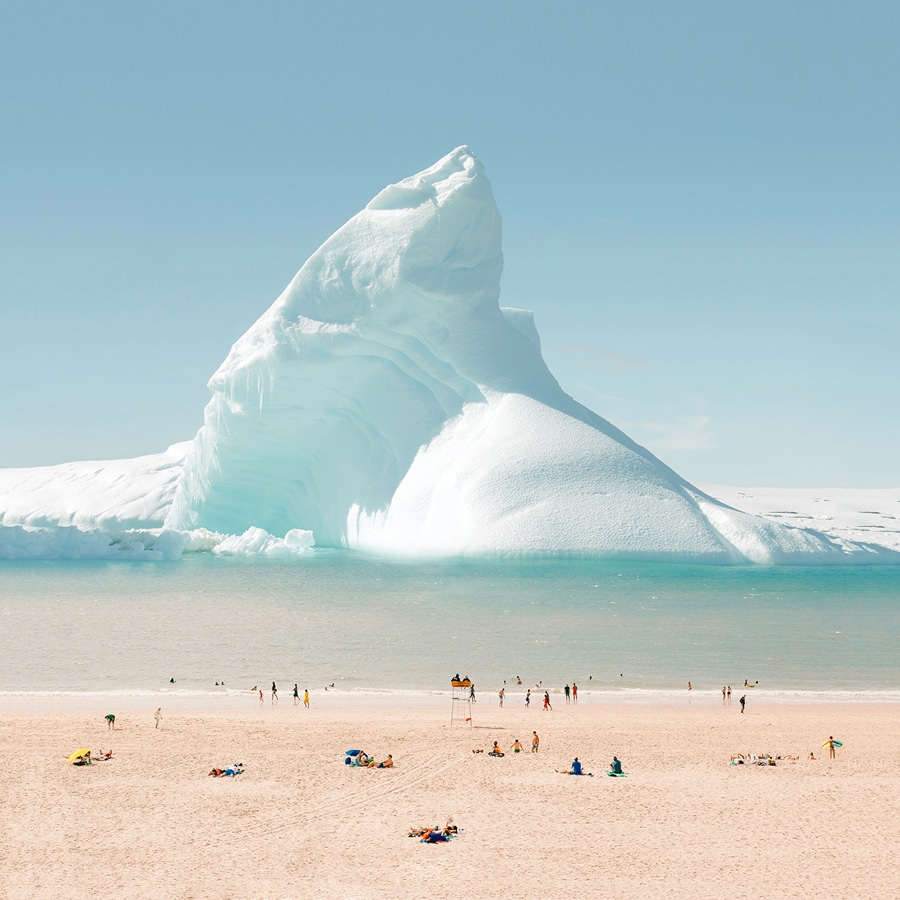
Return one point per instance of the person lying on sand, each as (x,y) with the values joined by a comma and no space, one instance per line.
(434,837)
(225,773)
(385,764)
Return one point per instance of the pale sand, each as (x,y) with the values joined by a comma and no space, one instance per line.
(298,823)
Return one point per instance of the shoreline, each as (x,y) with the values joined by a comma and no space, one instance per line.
(426,700)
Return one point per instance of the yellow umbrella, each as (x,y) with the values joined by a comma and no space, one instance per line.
(78,753)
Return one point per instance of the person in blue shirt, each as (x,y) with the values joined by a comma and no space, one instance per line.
(576,768)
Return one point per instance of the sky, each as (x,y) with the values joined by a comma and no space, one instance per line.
(700,205)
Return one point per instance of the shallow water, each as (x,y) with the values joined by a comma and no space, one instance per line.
(367,623)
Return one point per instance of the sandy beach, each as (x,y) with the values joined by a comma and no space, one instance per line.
(299,823)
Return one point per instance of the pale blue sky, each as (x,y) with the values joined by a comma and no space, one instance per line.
(700,204)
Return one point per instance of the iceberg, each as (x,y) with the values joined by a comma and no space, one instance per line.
(387,403)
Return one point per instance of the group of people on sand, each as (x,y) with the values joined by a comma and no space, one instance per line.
(436,835)
(257,690)
(516,746)
(88,758)
(576,768)
(570,692)
(756,759)
(766,759)
(362,760)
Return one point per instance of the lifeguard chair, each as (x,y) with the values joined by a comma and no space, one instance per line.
(461,702)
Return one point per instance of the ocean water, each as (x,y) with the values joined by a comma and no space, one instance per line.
(373,624)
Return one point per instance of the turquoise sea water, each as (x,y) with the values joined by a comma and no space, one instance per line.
(367,623)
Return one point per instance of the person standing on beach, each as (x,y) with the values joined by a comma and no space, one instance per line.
(296,696)
(830,744)
(260,697)
(547,701)
(689,686)
(501,695)
(567,692)
(274,694)
(306,698)
(729,693)
(111,722)
(723,696)
(157,715)
(574,692)
(743,701)
(535,742)
(527,698)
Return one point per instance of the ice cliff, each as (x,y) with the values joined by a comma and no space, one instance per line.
(386,402)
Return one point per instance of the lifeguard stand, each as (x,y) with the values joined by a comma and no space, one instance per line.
(461,702)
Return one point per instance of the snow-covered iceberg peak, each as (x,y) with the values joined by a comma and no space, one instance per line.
(386,401)
(383,336)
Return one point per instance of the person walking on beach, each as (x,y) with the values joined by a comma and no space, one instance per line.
(260,697)
(501,695)
(743,701)
(574,692)
(157,715)
(535,742)
(729,693)
(296,696)
(567,691)
(111,722)
(306,698)
(472,692)
(547,701)
(274,694)
(527,698)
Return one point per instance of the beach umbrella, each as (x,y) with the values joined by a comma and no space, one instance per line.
(78,753)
